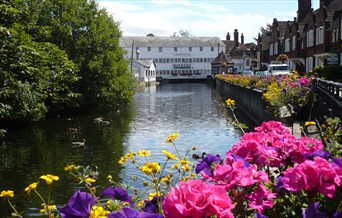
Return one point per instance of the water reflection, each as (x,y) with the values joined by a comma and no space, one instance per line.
(196,111)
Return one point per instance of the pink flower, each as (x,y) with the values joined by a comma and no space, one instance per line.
(195,199)
(317,176)
(274,127)
(238,175)
(261,199)
(304,81)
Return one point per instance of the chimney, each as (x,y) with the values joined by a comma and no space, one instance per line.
(324,2)
(228,36)
(304,7)
(242,39)
(236,38)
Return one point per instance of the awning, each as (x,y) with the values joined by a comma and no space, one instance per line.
(299,61)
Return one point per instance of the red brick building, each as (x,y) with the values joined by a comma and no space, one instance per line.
(313,38)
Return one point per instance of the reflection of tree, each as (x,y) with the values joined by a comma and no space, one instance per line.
(44,148)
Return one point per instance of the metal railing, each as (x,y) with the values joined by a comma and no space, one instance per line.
(333,88)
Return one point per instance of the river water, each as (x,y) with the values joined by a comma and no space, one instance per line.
(194,110)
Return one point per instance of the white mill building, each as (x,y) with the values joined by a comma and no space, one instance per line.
(175,57)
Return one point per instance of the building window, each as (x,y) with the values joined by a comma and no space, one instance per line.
(271,49)
(212,48)
(319,35)
(276,48)
(294,42)
(201,48)
(175,49)
(341,29)
(148,48)
(190,49)
(160,49)
(309,38)
(333,38)
(287,44)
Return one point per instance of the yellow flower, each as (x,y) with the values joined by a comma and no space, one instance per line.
(123,160)
(49,178)
(172,137)
(154,194)
(169,155)
(90,180)
(7,194)
(31,187)
(110,178)
(184,162)
(150,167)
(48,208)
(144,153)
(141,203)
(310,123)
(98,212)
(145,183)
(167,179)
(70,168)
(230,102)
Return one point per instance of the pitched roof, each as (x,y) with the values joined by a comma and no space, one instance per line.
(145,63)
(222,58)
(147,41)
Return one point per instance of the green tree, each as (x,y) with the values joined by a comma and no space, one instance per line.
(34,77)
(90,37)
(182,33)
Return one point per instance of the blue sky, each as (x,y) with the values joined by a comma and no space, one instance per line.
(199,17)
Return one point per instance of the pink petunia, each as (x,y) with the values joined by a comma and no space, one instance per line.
(195,199)
(261,198)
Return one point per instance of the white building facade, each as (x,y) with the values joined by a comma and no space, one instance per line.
(175,57)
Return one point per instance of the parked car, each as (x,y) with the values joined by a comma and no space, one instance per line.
(261,73)
(247,72)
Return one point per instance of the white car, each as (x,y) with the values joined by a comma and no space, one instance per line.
(247,72)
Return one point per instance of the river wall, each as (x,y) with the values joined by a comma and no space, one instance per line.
(248,100)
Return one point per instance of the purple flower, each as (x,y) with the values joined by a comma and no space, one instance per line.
(131,213)
(79,206)
(152,206)
(118,194)
(259,215)
(337,162)
(312,211)
(320,153)
(205,164)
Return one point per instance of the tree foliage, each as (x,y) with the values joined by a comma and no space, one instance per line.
(58,54)
(182,33)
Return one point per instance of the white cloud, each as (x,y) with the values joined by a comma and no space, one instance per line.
(201,18)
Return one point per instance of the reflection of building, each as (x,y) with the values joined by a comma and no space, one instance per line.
(313,38)
(176,57)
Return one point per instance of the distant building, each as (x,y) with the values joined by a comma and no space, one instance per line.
(313,38)
(144,70)
(175,57)
(242,57)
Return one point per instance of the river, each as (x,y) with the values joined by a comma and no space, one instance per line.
(194,110)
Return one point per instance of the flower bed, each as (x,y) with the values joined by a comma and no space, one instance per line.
(294,92)
(269,173)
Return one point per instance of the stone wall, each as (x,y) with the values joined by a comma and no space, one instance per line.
(247,99)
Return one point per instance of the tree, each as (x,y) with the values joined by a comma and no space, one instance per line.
(182,33)
(34,77)
(266,31)
(90,37)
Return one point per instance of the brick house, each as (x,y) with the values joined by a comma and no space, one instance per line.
(313,38)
